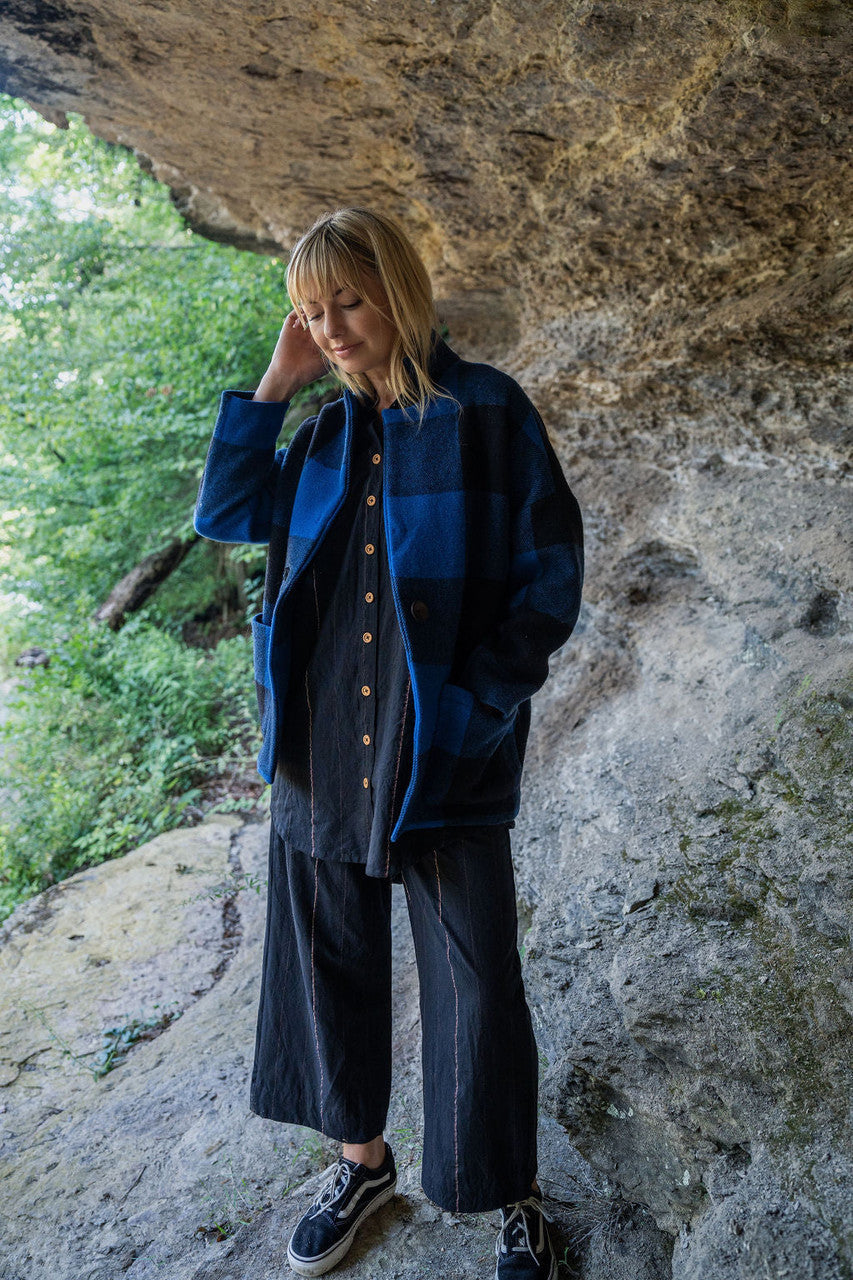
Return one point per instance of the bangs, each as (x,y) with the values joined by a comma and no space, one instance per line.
(322,263)
(344,249)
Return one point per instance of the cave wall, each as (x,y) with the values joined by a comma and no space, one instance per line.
(685,163)
(642,212)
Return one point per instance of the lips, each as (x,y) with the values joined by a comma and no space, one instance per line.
(345,351)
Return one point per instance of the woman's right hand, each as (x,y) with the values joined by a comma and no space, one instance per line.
(296,361)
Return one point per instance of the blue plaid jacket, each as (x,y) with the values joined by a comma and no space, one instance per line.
(485,550)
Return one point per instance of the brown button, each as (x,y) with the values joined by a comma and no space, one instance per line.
(377,457)
(366,739)
(367,637)
(365,782)
(368,595)
(371,501)
(419,610)
(365,689)
(370,548)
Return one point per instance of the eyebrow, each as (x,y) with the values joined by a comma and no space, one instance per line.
(312,302)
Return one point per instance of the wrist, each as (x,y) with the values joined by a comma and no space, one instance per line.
(273,386)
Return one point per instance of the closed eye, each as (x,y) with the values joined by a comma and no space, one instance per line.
(345,306)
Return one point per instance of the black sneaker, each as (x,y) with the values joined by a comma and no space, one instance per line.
(325,1232)
(524,1246)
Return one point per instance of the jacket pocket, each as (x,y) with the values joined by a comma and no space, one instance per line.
(473,759)
(261,639)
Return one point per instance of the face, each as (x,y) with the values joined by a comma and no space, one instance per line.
(350,333)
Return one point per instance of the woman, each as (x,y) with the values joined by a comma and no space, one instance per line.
(425,559)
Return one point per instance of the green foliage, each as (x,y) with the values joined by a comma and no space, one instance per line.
(119,1040)
(118,329)
(110,744)
(116,1041)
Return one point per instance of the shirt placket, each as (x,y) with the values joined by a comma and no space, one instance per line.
(368,640)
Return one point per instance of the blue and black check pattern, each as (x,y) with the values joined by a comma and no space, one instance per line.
(483,532)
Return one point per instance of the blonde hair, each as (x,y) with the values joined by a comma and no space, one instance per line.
(336,253)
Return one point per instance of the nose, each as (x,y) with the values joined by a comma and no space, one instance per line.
(332,325)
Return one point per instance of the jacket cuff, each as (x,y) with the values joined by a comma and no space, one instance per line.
(244,421)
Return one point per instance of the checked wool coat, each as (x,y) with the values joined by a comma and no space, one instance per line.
(485,552)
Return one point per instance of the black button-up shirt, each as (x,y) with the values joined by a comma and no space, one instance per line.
(348,731)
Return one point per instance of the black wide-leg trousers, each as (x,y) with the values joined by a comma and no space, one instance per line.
(323,1045)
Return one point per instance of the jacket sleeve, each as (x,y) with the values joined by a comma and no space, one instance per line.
(237,490)
(546,572)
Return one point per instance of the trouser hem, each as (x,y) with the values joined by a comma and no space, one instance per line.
(483,1202)
(331,1129)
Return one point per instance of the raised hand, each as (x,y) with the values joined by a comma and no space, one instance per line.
(295,362)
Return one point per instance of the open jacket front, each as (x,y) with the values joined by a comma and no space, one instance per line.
(485,552)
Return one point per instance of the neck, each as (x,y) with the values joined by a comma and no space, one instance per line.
(384,396)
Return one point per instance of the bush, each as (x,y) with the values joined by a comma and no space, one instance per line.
(118,329)
(111,743)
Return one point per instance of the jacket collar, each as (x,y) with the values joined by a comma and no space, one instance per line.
(441,357)
(332,449)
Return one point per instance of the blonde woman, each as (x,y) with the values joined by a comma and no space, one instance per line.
(425,559)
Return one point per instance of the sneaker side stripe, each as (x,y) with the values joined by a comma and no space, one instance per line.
(369,1185)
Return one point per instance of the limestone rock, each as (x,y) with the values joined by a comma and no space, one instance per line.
(673,170)
(705,789)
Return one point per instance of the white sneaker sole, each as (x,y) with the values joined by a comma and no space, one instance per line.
(319,1266)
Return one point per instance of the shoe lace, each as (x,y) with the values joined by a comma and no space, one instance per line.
(514,1234)
(334,1186)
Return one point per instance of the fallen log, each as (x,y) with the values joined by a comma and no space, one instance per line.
(141,582)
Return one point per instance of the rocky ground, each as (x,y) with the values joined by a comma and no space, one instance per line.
(150,1164)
